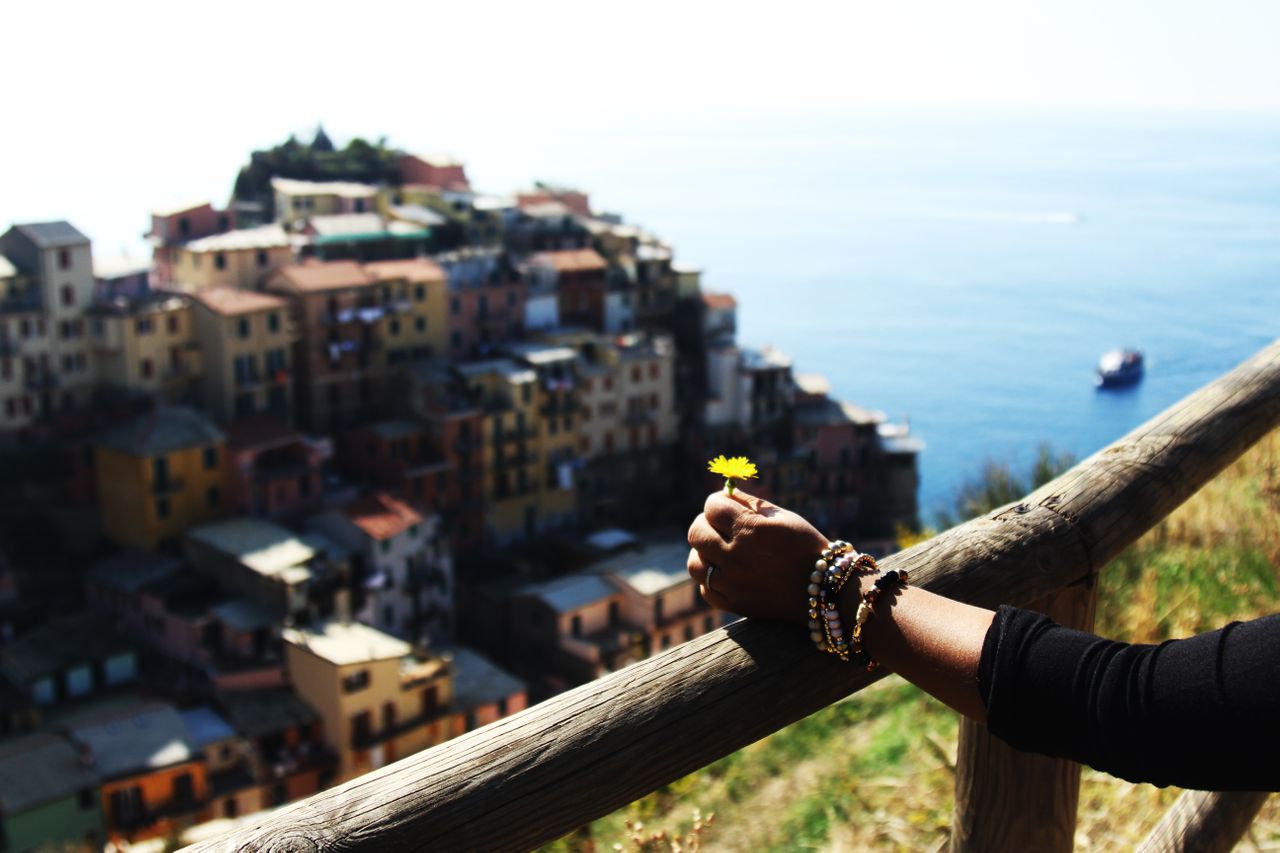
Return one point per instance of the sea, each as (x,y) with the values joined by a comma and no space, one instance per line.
(960,269)
(964,271)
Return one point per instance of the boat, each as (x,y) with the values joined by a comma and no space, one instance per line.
(1119,367)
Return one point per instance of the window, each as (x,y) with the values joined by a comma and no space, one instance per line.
(389,617)
(666,641)
(184,790)
(360,726)
(688,633)
(420,324)
(230,808)
(242,327)
(455,306)
(456,339)
(184,227)
(608,383)
(262,258)
(413,531)
(85,799)
(64,261)
(213,497)
(657,609)
(68,295)
(386,546)
(355,682)
(428,700)
(511,298)
(210,458)
(635,373)
(162,507)
(273,322)
(173,324)
(614,616)
(708,624)
(147,369)
(653,370)
(219,261)
(419,293)
(389,715)
(395,327)
(575,626)
(142,325)
(502,707)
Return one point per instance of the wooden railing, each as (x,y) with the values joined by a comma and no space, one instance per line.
(534,776)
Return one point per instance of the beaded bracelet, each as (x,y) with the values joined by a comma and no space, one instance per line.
(837,563)
(866,607)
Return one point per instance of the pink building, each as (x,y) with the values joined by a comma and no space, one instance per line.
(172,227)
(444,173)
(274,471)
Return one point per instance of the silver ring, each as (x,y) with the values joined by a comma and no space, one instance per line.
(710,569)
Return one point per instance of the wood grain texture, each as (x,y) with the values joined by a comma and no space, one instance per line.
(534,776)
(1011,800)
(1204,822)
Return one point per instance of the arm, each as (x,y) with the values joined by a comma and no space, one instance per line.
(1198,713)
(763,555)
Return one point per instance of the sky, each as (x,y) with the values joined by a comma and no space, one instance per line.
(113,108)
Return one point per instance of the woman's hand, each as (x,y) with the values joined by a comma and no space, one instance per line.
(762,555)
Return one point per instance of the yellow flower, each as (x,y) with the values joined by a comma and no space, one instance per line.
(733,468)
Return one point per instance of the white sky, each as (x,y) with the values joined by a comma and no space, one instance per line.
(113,100)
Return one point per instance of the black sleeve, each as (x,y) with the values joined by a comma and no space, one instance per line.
(1197,713)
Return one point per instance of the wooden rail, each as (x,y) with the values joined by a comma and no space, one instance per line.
(539,774)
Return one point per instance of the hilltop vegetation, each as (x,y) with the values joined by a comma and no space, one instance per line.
(360,161)
(876,771)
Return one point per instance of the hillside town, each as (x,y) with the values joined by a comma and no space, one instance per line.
(348,468)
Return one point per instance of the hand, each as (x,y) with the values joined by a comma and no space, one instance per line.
(762,554)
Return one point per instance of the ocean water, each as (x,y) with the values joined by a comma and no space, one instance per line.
(966,271)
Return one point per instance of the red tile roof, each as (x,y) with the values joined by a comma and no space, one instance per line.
(381,516)
(314,276)
(719,301)
(232,300)
(415,270)
(571,260)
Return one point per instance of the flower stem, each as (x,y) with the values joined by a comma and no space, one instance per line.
(728,487)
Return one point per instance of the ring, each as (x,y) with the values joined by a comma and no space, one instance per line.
(710,569)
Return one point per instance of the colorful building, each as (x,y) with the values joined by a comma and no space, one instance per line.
(580,281)
(437,171)
(482,691)
(152,778)
(296,201)
(146,345)
(173,227)
(48,797)
(46,285)
(415,301)
(244,258)
(379,698)
(246,341)
(486,301)
(404,565)
(159,474)
(336,307)
(274,470)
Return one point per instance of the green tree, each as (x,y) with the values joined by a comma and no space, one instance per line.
(999,484)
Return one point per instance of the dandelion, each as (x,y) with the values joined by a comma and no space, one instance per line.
(733,468)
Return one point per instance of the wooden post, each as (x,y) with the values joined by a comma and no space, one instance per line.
(1011,800)
(1204,822)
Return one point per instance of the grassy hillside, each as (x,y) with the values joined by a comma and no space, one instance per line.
(876,770)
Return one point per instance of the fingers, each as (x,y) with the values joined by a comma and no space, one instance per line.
(715,599)
(724,513)
(697,568)
(707,541)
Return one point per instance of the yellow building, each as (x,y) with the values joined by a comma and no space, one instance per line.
(296,200)
(244,258)
(415,299)
(510,456)
(158,475)
(146,345)
(246,339)
(378,697)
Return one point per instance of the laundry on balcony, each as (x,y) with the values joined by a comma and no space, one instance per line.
(377,580)
(370,315)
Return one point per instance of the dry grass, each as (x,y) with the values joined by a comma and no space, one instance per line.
(877,770)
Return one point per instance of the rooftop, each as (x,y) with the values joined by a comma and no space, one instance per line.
(255,713)
(812,383)
(356,225)
(149,739)
(505,367)
(52,235)
(205,727)
(346,189)
(260,432)
(418,214)
(39,769)
(180,207)
(343,643)
(570,260)
(572,591)
(478,681)
(381,516)
(270,236)
(232,300)
(830,412)
(765,358)
(131,570)
(415,270)
(162,430)
(240,614)
(118,266)
(897,438)
(719,301)
(316,276)
(266,548)
(542,354)
(650,570)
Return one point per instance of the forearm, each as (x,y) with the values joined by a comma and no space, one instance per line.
(933,642)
